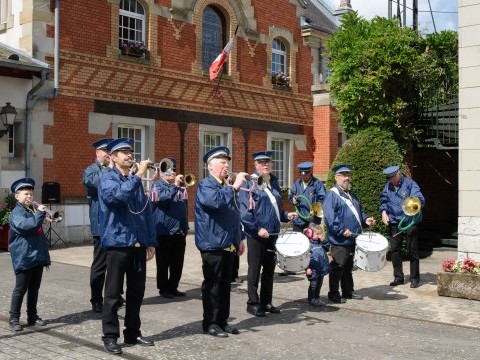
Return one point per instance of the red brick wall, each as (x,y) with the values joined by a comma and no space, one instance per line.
(325,132)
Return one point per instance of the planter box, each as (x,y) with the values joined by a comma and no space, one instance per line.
(459,285)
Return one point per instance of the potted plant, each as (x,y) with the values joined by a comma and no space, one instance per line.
(280,80)
(5,209)
(133,48)
(459,278)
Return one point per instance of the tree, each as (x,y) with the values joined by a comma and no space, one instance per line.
(383,75)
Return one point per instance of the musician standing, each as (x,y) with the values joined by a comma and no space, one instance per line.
(29,252)
(128,238)
(91,180)
(170,213)
(261,220)
(310,187)
(218,236)
(396,189)
(344,219)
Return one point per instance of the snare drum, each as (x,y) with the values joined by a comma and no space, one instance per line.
(370,251)
(293,251)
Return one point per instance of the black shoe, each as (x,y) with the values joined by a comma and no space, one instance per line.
(217,331)
(397,282)
(177,293)
(111,346)
(36,322)
(167,294)
(337,299)
(414,284)
(231,329)
(139,340)
(271,309)
(97,307)
(15,325)
(255,310)
(353,295)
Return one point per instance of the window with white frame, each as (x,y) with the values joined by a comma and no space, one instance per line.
(281,159)
(137,133)
(279,57)
(6,16)
(211,137)
(131,23)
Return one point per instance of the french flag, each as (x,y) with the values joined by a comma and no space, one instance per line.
(217,64)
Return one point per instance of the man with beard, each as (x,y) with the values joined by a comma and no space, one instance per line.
(344,219)
(128,238)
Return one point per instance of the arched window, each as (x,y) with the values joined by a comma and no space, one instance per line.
(131,23)
(213,35)
(279,57)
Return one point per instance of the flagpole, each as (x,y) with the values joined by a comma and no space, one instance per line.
(221,73)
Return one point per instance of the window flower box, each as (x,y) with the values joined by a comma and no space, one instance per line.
(133,48)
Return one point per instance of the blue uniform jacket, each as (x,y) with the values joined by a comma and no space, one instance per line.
(91,180)
(338,217)
(125,212)
(170,211)
(217,216)
(263,215)
(27,242)
(318,260)
(391,199)
(315,192)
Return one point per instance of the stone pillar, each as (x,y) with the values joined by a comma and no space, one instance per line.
(469,130)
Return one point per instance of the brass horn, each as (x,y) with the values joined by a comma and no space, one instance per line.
(411,206)
(316,210)
(189,180)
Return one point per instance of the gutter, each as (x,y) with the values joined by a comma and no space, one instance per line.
(33,96)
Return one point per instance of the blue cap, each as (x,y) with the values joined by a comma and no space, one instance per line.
(342,168)
(391,170)
(121,143)
(305,167)
(22,183)
(101,143)
(219,151)
(262,155)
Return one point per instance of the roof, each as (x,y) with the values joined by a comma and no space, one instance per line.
(319,16)
(12,58)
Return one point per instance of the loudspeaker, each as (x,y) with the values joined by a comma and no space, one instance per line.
(50,192)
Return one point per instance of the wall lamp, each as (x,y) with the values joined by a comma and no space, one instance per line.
(8,114)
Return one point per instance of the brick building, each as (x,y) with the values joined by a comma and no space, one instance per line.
(163,97)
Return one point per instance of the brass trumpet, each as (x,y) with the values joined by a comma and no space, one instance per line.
(254,178)
(189,180)
(52,216)
(161,167)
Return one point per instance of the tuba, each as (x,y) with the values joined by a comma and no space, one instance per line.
(411,207)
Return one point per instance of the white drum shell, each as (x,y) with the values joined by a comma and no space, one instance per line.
(293,251)
(370,251)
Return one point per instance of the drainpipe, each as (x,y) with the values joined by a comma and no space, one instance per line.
(33,97)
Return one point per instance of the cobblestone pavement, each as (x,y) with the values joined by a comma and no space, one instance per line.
(389,323)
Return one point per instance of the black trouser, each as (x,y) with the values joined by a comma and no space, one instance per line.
(315,286)
(217,269)
(129,261)
(411,236)
(236,267)
(28,280)
(260,257)
(97,271)
(169,256)
(341,268)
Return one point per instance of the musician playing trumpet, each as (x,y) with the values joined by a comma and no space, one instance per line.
(29,252)
(128,238)
(397,188)
(170,213)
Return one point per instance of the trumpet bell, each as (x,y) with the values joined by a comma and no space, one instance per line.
(165,165)
(411,206)
(316,210)
(190,180)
